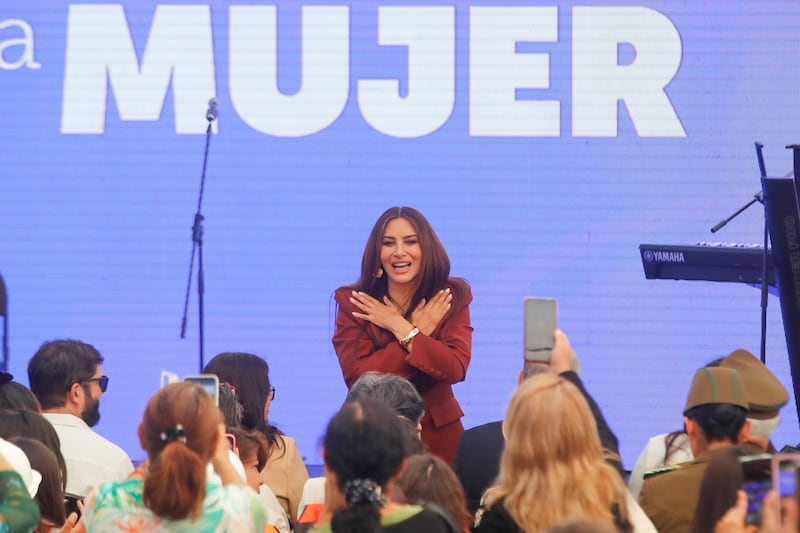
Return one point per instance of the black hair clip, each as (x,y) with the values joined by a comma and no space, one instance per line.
(174,434)
(5,377)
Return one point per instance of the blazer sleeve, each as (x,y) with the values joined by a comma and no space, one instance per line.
(444,355)
(607,437)
(355,344)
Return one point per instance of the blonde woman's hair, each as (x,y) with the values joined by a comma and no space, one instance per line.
(553,467)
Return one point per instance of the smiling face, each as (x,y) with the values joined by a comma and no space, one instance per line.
(401,253)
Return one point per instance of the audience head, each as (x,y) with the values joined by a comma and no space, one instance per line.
(718,489)
(229,404)
(580,526)
(394,391)
(19,462)
(716,408)
(253,451)
(765,393)
(364,446)
(427,478)
(673,441)
(249,376)
(16,396)
(32,425)
(65,374)
(434,260)
(553,466)
(179,431)
(50,493)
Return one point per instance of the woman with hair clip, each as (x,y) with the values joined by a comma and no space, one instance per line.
(406,316)
(364,447)
(182,432)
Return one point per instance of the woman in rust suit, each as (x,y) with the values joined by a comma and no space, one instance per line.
(407,316)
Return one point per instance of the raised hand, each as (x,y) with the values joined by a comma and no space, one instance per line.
(733,520)
(73,523)
(563,357)
(428,315)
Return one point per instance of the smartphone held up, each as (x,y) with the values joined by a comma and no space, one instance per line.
(540,324)
(209,382)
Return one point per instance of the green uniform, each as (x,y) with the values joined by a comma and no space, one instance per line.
(670,498)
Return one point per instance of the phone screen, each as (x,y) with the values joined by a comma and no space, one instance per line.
(757,474)
(784,477)
(540,323)
(71,504)
(209,382)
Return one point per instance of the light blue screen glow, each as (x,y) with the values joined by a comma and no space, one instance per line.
(544,142)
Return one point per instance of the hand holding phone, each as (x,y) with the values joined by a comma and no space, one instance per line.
(757,476)
(563,358)
(785,468)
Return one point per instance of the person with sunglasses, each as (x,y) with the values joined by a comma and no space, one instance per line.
(66,377)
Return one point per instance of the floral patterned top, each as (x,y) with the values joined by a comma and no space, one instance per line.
(18,512)
(117,506)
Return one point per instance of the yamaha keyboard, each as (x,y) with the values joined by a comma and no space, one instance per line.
(726,262)
(743,263)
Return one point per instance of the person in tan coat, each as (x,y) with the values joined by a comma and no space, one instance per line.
(248,374)
(715,416)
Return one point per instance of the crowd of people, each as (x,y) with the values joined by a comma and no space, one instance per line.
(396,456)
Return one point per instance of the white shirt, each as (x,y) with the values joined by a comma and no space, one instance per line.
(313,492)
(652,457)
(91,459)
(636,516)
(276,515)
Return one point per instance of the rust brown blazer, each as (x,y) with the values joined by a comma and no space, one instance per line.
(433,365)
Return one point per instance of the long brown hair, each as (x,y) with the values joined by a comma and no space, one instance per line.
(722,478)
(426,478)
(553,465)
(50,495)
(435,271)
(178,431)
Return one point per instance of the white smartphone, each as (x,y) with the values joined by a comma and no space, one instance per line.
(540,324)
(209,382)
(785,474)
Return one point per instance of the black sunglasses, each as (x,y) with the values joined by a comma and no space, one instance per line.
(102,381)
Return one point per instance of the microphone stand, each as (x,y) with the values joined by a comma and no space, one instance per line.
(4,314)
(758,197)
(197,244)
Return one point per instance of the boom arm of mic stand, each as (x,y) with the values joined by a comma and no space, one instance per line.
(756,198)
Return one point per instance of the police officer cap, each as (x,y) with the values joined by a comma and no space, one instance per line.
(716,385)
(765,393)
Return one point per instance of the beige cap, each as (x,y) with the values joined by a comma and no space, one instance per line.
(764,392)
(716,386)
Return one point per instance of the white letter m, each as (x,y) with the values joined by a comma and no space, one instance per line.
(100,52)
